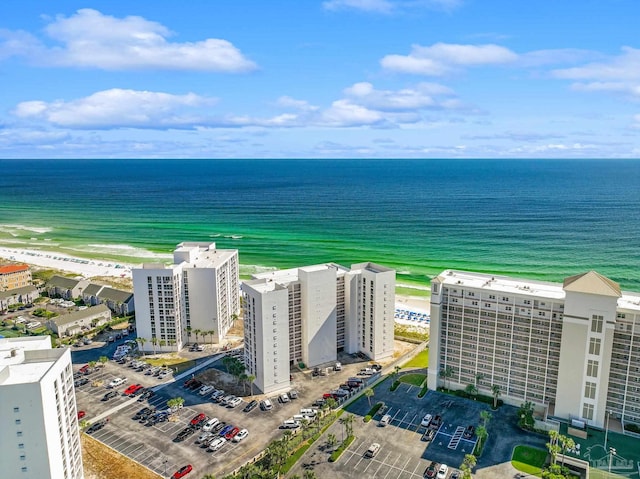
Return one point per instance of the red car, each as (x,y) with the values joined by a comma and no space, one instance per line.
(197,420)
(81,414)
(183,471)
(231,434)
(134,388)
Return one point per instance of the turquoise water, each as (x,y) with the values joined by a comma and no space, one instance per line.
(542,219)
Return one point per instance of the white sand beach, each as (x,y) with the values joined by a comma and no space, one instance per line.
(88,268)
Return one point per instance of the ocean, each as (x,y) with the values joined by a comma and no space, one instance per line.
(540,219)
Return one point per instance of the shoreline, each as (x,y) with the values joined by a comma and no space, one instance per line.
(92,268)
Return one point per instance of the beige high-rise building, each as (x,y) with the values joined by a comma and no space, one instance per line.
(572,347)
(309,314)
(14,276)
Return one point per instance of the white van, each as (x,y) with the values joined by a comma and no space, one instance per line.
(309,412)
(290,424)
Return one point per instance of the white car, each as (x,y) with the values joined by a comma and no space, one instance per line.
(206,389)
(210,424)
(426,420)
(290,424)
(216,444)
(442,472)
(235,402)
(116,382)
(386,419)
(310,413)
(204,436)
(241,435)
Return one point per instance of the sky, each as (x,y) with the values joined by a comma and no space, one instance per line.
(320,79)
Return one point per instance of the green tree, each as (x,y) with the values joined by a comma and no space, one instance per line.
(162,343)
(486,417)
(197,332)
(211,333)
(369,394)
(175,403)
(347,422)
(479,378)
(525,416)
(309,474)
(188,329)
(495,391)
(331,403)
(243,377)
(553,446)
(172,342)
(566,443)
(250,379)
(103,360)
(92,364)
(471,390)
(141,342)
(84,424)
(446,374)
(482,434)
(332,440)
(154,341)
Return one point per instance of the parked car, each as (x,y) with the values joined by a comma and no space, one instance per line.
(241,435)
(132,390)
(204,436)
(290,424)
(183,471)
(210,424)
(386,419)
(223,432)
(206,389)
(81,414)
(293,394)
(232,433)
(216,444)
(96,426)
(436,421)
(198,418)
(431,470)
(235,402)
(283,398)
(442,472)
(109,395)
(426,420)
(373,450)
(469,432)
(266,405)
(114,383)
(80,382)
(251,406)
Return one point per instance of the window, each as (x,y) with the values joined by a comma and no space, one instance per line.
(21,446)
(592,368)
(590,390)
(596,323)
(18,421)
(594,346)
(16,409)
(19,433)
(587,411)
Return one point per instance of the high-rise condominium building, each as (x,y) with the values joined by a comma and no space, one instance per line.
(39,430)
(572,347)
(200,291)
(309,314)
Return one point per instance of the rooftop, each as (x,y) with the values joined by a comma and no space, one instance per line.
(26,359)
(13,268)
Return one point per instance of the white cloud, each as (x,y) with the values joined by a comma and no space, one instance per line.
(92,40)
(442,58)
(379,6)
(117,108)
(288,102)
(345,113)
(420,97)
(619,74)
(390,6)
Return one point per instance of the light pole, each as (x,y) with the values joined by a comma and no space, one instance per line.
(612,452)
(606,430)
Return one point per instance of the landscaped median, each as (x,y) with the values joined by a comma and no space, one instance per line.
(372,412)
(343,447)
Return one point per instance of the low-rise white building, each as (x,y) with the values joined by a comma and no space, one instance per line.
(199,291)
(39,430)
(79,321)
(309,314)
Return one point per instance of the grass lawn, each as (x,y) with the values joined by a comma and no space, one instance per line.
(529,459)
(10,333)
(415,379)
(421,360)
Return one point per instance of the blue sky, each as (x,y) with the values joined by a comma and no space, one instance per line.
(320,79)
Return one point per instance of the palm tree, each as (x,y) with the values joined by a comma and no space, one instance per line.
(175,403)
(172,342)
(162,343)
(103,360)
(479,377)
(331,403)
(446,373)
(188,334)
(495,390)
(553,447)
(211,333)
(486,417)
(566,443)
(369,393)
(141,341)
(332,440)
(196,332)
(347,422)
(468,463)
(250,379)
(471,389)
(154,341)
(309,474)
(92,364)
(243,377)
(482,434)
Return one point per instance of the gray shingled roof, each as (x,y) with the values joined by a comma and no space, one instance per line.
(80,314)
(16,291)
(62,282)
(115,294)
(92,289)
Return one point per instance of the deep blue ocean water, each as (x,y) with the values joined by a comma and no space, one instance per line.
(542,219)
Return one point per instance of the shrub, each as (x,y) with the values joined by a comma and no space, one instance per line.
(367,418)
(423,391)
(395,385)
(338,452)
(632,427)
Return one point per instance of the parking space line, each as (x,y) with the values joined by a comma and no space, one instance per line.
(393,466)
(382,463)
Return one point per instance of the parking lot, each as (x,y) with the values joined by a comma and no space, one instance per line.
(153,445)
(404,453)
